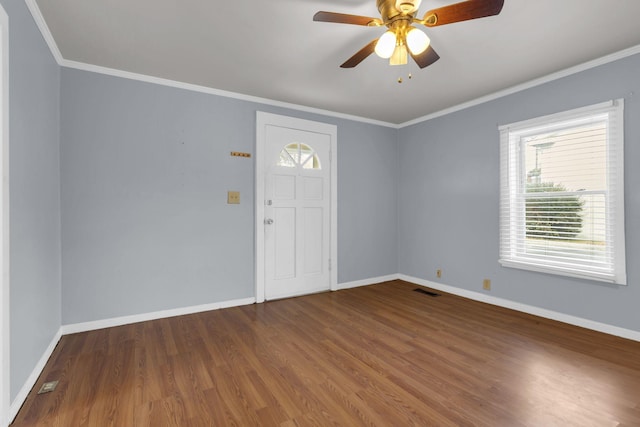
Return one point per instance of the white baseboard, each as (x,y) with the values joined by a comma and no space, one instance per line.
(107,323)
(525,308)
(119,321)
(33,378)
(126,320)
(366,282)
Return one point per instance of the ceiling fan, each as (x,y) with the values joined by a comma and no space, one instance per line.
(402,37)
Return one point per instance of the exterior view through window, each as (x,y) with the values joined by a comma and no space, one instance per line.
(295,154)
(562,194)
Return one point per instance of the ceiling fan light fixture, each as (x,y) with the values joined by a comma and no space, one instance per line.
(386,45)
(417,41)
(399,56)
(408,6)
(403,39)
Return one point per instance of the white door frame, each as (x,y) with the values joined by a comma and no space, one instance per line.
(262,120)
(5,391)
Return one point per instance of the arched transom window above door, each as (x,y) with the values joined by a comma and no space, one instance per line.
(299,155)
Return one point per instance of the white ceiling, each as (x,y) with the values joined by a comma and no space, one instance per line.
(273,49)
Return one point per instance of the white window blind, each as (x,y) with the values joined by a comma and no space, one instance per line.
(562,193)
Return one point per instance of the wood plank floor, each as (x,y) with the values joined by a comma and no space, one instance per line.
(381,355)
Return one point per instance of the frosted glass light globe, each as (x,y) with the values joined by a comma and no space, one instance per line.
(386,45)
(417,41)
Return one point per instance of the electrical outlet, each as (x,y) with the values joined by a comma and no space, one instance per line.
(233,197)
(438,273)
(486,284)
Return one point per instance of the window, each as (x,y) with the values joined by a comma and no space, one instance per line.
(295,154)
(562,194)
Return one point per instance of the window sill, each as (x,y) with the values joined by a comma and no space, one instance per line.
(560,271)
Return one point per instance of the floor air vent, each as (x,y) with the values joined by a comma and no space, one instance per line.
(423,291)
(48,387)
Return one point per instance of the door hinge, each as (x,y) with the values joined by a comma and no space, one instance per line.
(329,264)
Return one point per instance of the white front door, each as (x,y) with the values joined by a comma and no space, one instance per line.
(296,206)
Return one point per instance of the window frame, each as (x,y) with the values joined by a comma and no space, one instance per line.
(512,196)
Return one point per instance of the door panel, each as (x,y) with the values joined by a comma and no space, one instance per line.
(313,244)
(284,249)
(297,211)
(284,187)
(313,188)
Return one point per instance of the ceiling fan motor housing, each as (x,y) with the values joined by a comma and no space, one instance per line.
(387,9)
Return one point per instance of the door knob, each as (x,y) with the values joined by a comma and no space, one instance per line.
(268,221)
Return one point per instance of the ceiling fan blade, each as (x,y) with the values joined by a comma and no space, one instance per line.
(360,55)
(342,18)
(463,11)
(426,58)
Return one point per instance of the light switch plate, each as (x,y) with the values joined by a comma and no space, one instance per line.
(233,197)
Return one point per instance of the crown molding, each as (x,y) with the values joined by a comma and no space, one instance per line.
(53,47)
(46,33)
(218,92)
(527,85)
(44,30)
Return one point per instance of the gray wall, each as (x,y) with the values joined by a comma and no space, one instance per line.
(449,193)
(34,96)
(145,171)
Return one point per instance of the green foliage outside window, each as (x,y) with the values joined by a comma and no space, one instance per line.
(553,217)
